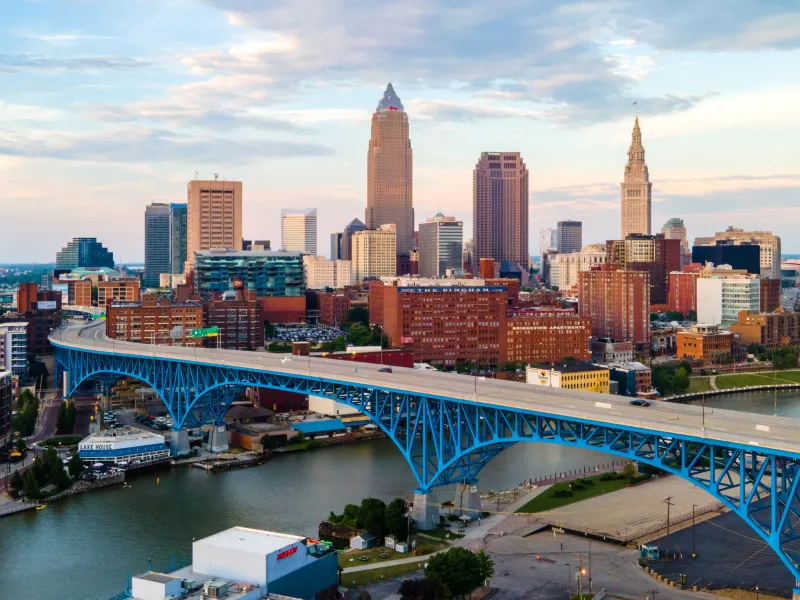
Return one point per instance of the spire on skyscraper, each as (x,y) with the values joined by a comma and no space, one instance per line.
(636,188)
(390,101)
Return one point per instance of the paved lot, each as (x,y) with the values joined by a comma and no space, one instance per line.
(632,509)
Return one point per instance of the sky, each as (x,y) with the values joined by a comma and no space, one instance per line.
(107,106)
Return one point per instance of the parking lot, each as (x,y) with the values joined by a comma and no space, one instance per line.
(306,333)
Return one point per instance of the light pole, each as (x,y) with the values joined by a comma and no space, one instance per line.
(569,577)
(694,554)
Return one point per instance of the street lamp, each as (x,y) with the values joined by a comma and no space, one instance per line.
(569,576)
(694,554)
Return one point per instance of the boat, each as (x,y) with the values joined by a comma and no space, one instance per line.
(41,506)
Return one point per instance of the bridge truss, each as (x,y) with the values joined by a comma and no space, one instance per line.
(449,440)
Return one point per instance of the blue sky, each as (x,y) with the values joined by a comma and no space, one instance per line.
(106,106)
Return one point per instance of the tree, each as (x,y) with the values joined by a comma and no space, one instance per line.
(459,570)
(75,465)
(30,487)
(61,419)
(358,314)
(16,482)
(59,477)
(269,330)
(691,315)
(395,519)
(371,516)
(629,470)
(654,317)
(674,315)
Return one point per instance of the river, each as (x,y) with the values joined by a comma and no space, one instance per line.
(84,546)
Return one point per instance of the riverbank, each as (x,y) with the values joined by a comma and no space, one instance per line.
(731,383)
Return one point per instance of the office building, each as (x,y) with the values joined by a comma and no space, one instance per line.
(117,290)
(155,320)
(84,252)
(269,273)
(336,245)
(441,241)
(569,237)
(467,256)
(321,273)
(564,268)
(389,171)
(769,248)
(500,208)
(651,253)
(548,240)
(237,315)
(333,308)
(746,257)
(705,342)
(674,229)
(299,230)
(445,321)
(14,348)
(6,406)
(256,245)
(606,351)
(486,268)
(771,330)
(719,299)
(581,376)
(79,292)
(636,189)
(544,335)
(213,217)
(618,302)
(347,238)
(633,378)
(157,243)
(177,238)
(374,253)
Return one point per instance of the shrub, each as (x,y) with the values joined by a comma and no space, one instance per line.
(605,477)
(587,481)
(274,441)
(578,487)
(561,494)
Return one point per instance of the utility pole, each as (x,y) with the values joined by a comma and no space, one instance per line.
(668,501)
(694,554)
(580,577)
(590,566)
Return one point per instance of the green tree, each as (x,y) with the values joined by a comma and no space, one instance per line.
(629,470)
(395,519)
(59,477)
(358,314)
(39,470)
(61,419)
(30,486)
(680,381)
(371,516)
(422,589)
(269,330)
(75,465)
(691,315)
(654,317)
(16,481)
(459,570)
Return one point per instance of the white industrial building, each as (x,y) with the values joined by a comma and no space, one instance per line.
(126,445)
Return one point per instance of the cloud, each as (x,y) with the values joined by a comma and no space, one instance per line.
(27,62)
(140,145)
(441,110)
(65,38)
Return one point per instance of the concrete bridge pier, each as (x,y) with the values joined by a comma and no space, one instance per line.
(218,438)
(796,591)
(467,500)
(179,442)
(426,510)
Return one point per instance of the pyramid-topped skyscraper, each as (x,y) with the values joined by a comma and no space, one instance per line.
(389,171)
(636,189)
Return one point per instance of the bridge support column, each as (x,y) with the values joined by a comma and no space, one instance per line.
(179,442)
(468,500)
(426,510)
(218,438)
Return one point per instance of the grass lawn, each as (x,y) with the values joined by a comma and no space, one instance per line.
(353,580)
(352,558)
(545,501)
(725,382)
(699,384)
(442,534)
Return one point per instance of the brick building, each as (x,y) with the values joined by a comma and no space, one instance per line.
(770,299)
(79,292)
(41,310)
(283,309)
(706,343)
(333,308)
(238,318)
(117,290)
(683,289)
(771,330)
(652,253)
(618,302)
(155,320)
(512,289)
(486,268)
(545,335)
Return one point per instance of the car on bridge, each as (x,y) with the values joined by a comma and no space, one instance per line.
(640,402)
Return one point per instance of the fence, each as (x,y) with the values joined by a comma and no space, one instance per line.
(751,388)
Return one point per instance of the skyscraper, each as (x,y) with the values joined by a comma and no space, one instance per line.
(156,243)
(84,252)
(636,189)
(674,229)
(500,208)
(389,171)
(299,230)
(177,238)
(569,237)
(769,244)
(336,245)
(548,240)
(374,253)
(347,237)
(440,245)
(213,217)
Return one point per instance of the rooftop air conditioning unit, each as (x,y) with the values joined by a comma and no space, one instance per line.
(215,588)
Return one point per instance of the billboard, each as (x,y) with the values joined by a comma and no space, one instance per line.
(46,305)
(238,283)
(6,298)
(407,339)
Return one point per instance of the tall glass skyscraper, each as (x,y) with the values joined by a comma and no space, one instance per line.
(177,237)
(156,243)
(86,253)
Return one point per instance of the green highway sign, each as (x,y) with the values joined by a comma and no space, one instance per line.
(205,332)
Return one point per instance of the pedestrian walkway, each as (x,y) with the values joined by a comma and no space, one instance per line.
(390,563)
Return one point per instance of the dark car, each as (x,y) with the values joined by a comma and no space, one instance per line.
(385,370)
(640,402)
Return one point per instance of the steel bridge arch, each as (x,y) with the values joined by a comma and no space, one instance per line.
(449,440)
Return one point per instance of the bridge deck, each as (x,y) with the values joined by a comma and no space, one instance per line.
(747,429)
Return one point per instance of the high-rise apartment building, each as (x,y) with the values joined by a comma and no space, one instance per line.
(157,243)
(636,189)
(545,335)
(389,171)
(548,240)
(618,301)
(769,245)
(564,268)
(14,348)
(569,237)
(500,208)
(441,241)
(683,289)
(177,238)
(299,230)
(674,229)
(84,253)
(269,273)
(322,273)
(374,253)
(155,320)
(652,253)
(213,217)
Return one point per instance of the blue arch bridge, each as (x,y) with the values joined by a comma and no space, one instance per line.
(449,426)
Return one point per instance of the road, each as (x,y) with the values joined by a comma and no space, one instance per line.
(776,433)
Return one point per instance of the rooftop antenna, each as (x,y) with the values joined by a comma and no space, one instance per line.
(216,176)
(195,174)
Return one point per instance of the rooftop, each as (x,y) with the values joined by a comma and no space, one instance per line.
(157,577)
(251,540)
(569,367)
(119,435)
(248,253)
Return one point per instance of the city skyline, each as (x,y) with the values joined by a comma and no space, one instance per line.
(117,121)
